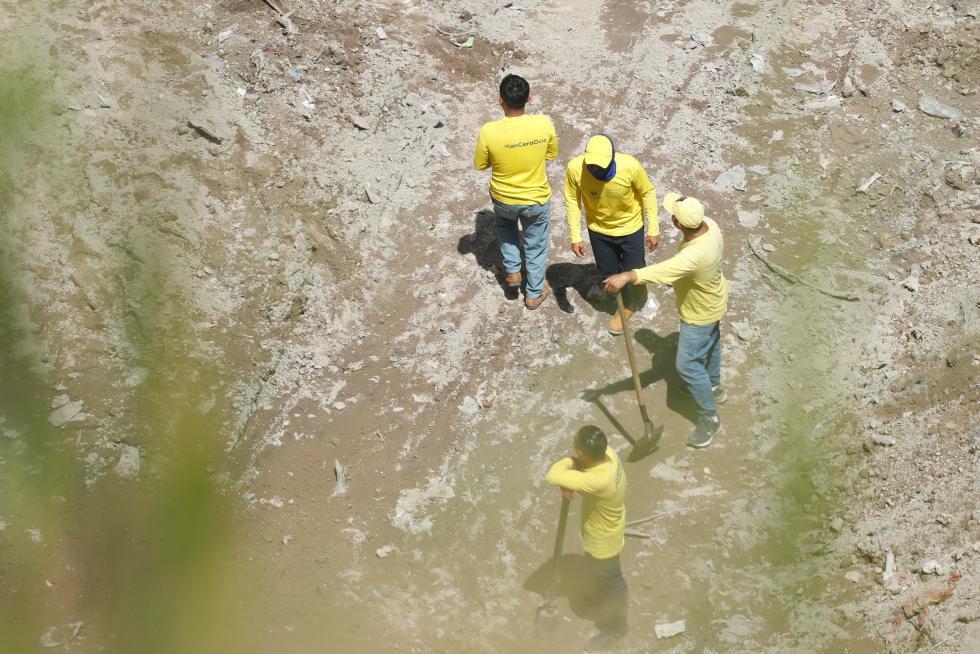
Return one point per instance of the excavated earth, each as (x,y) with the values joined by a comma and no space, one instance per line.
(263,390)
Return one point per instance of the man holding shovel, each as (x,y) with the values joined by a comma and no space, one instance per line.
(515,148)
(617,195)
(701,292)
(597,474)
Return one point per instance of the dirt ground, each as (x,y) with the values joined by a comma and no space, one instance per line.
(278,226)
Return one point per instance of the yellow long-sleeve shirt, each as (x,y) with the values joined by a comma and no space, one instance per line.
(700,287)
(516,149)
(614,208)
(603,490)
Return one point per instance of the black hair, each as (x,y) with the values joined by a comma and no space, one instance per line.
(592,441)
(515,90)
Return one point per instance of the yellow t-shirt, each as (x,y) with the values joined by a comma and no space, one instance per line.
(516,149)
(700,286)
(614,208)
(603,490)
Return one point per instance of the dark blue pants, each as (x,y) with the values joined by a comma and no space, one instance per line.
(616,254)
(611,596)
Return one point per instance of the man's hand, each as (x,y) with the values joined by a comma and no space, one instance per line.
(579,249)
(653,240)
(567,493)
(615,283)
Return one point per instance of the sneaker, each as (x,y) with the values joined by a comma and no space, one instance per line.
(533,303)
(720,393)
(704,432)
(616,324)
(603,640)
(513,279)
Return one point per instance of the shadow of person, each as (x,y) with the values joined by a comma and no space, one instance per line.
(584,279)
(574,582)
(663,351)
(483,244)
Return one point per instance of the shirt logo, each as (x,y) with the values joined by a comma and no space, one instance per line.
(524,144)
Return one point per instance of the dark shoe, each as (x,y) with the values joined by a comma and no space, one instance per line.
(720,393)
(704,432)
(533,303)
(513,279)
(603,640)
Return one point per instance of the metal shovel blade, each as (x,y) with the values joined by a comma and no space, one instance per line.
(647,444)
(547,618)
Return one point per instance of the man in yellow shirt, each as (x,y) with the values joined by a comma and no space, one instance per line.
(515,149)
(701,291)
(617,195)
(597,473)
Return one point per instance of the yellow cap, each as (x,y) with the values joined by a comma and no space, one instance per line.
(689,212)
(598,151)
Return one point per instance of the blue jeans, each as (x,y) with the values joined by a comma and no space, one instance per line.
(699,363)
(536,221)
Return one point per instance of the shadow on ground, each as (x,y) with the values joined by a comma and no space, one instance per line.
(574,583)
(483,244)
(663,351)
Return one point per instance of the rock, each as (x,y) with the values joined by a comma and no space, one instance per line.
(65,413)
(768,248)
(703,40)
(854,577)
(758,63)
(837,524)
(816,89)
(667,473)
(883,440)
(361,122)
(748,219)
(384,552)
(847,89)
(732,179)
(205,128)
(128,465)
(669,629)
(744,330)
(933,107)
(372,196)
(933,567)
(960,177)
(898,106)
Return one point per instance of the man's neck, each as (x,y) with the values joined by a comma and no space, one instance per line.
(512,113)
(690,236)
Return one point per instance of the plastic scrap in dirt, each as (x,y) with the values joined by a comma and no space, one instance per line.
(866,184)
(933,567)
(670,629)
(468,43)
(698,40)
(933,107)
(372,195)
(820,88)
(65,413)
(340,473)
(918,604)
(382,35)
(60,635)
(891,579)
(287,539)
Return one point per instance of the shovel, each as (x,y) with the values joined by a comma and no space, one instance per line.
(651,435)
(548,617)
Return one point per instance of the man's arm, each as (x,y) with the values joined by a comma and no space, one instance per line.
(647,195)
(564,474)
(665,272)
(573,212)
(481,157)
(552,152)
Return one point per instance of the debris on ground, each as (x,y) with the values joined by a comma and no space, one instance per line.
(670,629)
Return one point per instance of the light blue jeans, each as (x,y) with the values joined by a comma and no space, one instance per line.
(535,219)
(699,363)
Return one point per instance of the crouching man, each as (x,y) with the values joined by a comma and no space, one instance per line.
(597,474)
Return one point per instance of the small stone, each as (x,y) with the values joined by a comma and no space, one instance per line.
(898,106)
(854,577)
(384,552)
(748,219)
(272,256)
(933,567)
(732,179)
(669,629)
(372,196)
(205,128)
(933,107)
(128,465)
(667,473)
(361,122)
(65,413)
(883,440)
(837,524)
(768,248)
